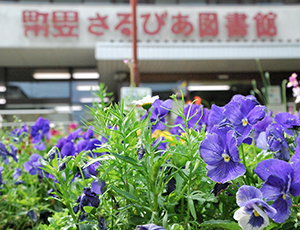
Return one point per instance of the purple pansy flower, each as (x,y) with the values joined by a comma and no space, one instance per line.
(39,132)
(253,212)
(89,133)
(281,180)
(243,113)
(196,116)
(1,170)
(17,134)
(288,121)
(262,125)
(216,116)
(68,150)
(276,142)
(32,166)
(17,173)
(98,186)
(5,153)
(296,156)
(72,137)
(219,151)
(149,227)
(87,198)
(159,109)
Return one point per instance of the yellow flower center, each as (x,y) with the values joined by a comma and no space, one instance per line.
(226,157)
(283,195)
(245,121)
(256,213)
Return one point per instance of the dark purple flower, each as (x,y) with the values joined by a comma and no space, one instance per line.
(17,173)
(92,169)
(81,145)
(162,144)
(216,116)
(276,142)
(243,113)
(39,132)
(61,142)
(149,227)
(102,223)
(98,186)
(1,170)
(296,156)
(159,109)
(13,152)
(281,180)
(33,215)
(219,187)
(88,198)
(93,145)
(5,153)
(89,133)
(219,151)
(262,125)
(254,212)
(275,137)
(17,134)
(32,166)
(19,182)
(68,150)
(196,116)
(72,137)
(288,121)
(140,152)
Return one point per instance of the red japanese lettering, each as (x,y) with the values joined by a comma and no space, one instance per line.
(36,22)
(182,26)
(265,25)
(65,22)
(125,21)
(208,24)
(236,25)
(160,22)
(97,23)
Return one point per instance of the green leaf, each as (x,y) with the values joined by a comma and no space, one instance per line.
(89,209)
(127,159)
(192,207)
(226,224)
(124,194)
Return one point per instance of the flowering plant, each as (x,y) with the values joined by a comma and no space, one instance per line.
(227,167)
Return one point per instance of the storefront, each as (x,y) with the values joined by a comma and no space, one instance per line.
(202,45)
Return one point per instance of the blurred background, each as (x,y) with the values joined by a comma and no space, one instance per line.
(54,53)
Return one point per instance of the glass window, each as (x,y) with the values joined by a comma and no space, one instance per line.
(35,1)
(37,90)
(165,1)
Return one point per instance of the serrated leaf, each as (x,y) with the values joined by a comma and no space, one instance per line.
(226,224)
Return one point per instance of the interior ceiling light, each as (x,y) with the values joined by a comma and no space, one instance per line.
(208,87)
(51,75)
(2,88)
(2,101)
(87,87)
(86,75)
(91,100)
(68,109)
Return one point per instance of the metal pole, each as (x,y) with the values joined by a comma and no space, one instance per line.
(135,65)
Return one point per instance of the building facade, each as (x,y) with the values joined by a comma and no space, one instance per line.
(52,52)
